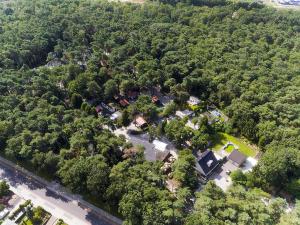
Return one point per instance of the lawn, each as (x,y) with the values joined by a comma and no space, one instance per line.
(220,139)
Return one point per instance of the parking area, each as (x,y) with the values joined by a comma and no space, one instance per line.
(142,139)
(222,175)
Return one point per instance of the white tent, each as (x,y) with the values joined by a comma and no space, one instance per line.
(159,145)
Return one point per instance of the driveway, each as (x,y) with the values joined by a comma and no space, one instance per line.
(143,139)
(70,209)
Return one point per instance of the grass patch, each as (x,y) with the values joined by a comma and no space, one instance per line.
(220,139)
(229,148)
(61,222)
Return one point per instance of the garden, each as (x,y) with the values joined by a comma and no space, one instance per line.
(221,139)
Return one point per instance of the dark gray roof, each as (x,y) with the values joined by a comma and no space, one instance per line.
(237,157)
(207,161)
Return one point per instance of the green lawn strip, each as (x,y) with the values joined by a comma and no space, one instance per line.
(220,139)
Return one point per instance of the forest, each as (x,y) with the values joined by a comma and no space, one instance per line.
(60,58)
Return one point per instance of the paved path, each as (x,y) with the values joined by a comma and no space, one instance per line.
(70,208)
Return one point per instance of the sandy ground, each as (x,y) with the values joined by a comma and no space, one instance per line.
(275,4)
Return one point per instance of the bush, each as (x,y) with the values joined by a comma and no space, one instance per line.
(238,177)
(294,188)
(4,189)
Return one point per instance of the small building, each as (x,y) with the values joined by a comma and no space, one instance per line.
(99,109)
(140,122)
(123,102)
(9,222)
(115,115)
(132,95)
(161,146)
(193,101)
(237,158)
(161,150)
(155,100)
(215,113)
(184,113)
(207,163)
(4,213)
(108,108)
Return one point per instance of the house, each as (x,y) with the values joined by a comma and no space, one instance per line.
(207,163)
(140,122)
(193,101)
(237,158)
(184,113)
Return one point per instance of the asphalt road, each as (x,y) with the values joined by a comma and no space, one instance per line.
(72,212)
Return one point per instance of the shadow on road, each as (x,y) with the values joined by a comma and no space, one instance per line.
(95,220)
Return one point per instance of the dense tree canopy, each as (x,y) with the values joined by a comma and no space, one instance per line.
(61,58)
(237,206)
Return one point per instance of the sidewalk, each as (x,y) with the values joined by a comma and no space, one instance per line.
(52,221)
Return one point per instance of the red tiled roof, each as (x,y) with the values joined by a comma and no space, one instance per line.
(140,121)
(124,102)
(98,108)
(155,99)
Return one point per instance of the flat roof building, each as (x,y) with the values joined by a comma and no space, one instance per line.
(237,158)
